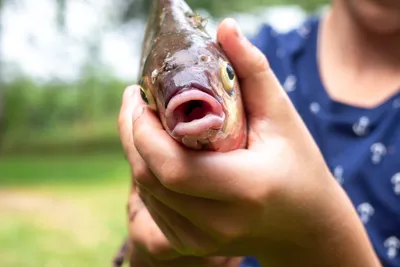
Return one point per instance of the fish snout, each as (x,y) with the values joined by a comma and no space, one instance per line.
(194,113)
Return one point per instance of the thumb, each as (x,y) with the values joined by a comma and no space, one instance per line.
(263,95)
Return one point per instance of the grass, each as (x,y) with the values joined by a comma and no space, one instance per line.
(62,210)
(95,136)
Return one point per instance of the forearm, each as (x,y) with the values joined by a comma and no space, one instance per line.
(337,239)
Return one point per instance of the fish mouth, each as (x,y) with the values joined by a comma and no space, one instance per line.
(193,112)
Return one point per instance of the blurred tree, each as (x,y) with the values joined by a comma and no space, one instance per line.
(138,8)
(61,10)
(2,102)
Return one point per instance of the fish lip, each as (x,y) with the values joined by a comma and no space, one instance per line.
(216,121)
(180,89)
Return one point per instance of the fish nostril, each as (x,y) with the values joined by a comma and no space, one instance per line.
(205,58)
(170,66)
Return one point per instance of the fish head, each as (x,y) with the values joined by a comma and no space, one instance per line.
(197,96)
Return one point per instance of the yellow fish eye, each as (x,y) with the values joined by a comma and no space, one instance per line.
(147,97)
(228,76)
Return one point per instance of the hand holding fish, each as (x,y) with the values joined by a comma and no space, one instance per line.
(274,198)
(148,246)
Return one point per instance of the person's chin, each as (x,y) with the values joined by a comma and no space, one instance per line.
(378,16)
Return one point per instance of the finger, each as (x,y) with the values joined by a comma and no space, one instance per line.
(131,107)
(173,239)
(210,216)
(145,128)
(145,233)
(186,238)
(141,174)
(197,173)
(263,95)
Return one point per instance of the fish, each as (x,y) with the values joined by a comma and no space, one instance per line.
(188,81)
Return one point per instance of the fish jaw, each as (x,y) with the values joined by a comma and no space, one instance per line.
(194,114)
(219,141)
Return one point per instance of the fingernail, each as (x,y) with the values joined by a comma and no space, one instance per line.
(129,92)
(238,32)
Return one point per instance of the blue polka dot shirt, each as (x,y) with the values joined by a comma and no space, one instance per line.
(361,146)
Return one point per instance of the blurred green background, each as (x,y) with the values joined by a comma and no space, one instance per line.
(64,65)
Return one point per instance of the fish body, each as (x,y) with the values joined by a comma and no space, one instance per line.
(189,82)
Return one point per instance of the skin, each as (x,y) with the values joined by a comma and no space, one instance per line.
(359,49)
(241,202)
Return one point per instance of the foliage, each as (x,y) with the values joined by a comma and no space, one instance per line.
(61,8)
(224,7)
(58,111)
(139,8)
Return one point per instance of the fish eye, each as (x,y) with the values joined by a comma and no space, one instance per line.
(228,76)
(147,97)
(143,95)
(230,72)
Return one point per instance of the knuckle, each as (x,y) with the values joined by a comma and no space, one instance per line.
(140,127)
(202,251)
(196,246)
(141,173)
(159,249)
(140,135)
(271,192)
(261,63)
(229,233)
(263,196)
(173,174)
(228,230)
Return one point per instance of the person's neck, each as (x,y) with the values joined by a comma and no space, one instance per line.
(357,43)
(357,66)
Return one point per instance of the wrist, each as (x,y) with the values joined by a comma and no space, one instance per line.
(333,235)
(234,262)
(222,261)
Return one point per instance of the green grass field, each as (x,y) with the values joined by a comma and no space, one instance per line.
(62,210)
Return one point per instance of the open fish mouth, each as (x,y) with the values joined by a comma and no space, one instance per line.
(193,113)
